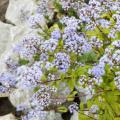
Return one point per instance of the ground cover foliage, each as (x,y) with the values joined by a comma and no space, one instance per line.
(75,56)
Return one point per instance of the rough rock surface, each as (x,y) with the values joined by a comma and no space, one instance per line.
(8,117)
(5,36)
(19,10)
(75,116)
(54,116)
(20,96)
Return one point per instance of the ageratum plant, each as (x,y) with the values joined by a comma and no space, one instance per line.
(75,56)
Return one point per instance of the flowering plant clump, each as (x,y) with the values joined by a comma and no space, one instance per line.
(75,55)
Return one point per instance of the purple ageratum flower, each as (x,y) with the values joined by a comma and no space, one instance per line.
(116,56)
(11,63)
(44,57)
(95,42)
(97,71)
(17,48)
(49,65)
(49,45)
(36,114)
(30,46)
(35,20)
(3,89)
(71,22)
(86,47)
(73,107)
(116,43)
(8,80)
(72,41)
(42,97)
(31,40)
(29,77)
(104,23)
(105,59)
(56,34)
(62,61)
(21,107)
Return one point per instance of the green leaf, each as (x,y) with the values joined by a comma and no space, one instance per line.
(71,84)
(23,62)
(58,6)
(71,96)
(83,116)
(43,78)
(105,16)
(53,70)
(73,57)
(62,76)
(36,57)
(82,70)
(51,58)
(72,12)
(89,57)
(36,89)
(62,109)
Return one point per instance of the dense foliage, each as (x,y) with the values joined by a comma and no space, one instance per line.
(75,54)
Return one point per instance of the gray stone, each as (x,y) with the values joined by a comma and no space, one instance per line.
(19,10)
(51,115)
(75,116)
(20,96)
(8,117)
(5,36)
(9,36)
(54,116)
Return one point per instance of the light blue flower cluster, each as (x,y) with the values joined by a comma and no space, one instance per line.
(3,89)
(116,57)
(56,34)
(71,22)
(62,61)
(73,107)
(95,42)
(73,41)
(35,20)
(49,45)
(8,80)
(97,71)
(45,8)
(43,97)
(35,114)
(116,43)
(117,79)
(29,46)
(29,77)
